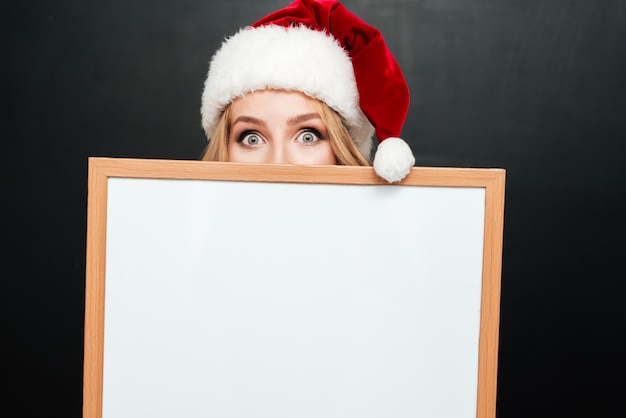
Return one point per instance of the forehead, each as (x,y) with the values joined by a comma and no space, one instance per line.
(271,101)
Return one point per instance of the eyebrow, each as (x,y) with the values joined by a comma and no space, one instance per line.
(302,118)
(291,121)
(250,119)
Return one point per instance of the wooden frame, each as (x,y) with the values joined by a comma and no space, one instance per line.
(103,169)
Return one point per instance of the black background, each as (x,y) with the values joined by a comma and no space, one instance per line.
(537,87)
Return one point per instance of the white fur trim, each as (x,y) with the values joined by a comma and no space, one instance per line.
(295,58)
(393,160)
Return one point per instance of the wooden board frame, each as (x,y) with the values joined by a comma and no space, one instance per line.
(102,169)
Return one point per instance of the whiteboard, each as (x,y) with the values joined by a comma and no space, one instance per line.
(235,298)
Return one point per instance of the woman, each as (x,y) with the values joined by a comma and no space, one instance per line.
(308,84)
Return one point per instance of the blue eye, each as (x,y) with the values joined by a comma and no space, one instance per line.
(308,137)
(251,139)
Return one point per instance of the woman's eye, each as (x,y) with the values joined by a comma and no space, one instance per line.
(251,139)
(308,137)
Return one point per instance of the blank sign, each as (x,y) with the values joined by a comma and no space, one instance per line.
(225,290)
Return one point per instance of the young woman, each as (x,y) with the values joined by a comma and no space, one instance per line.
(281,127)
(308,84)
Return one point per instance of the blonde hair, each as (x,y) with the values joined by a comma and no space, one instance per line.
(342,144)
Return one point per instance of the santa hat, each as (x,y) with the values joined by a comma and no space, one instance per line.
(321,49)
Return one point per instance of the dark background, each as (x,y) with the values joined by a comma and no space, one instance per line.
(537,87)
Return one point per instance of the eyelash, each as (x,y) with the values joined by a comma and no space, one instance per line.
(246,133)
(314,131)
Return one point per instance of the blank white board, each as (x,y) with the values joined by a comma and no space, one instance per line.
(225,290)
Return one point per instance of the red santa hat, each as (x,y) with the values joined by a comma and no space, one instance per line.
(323,50)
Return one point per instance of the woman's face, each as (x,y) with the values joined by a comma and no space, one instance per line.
(280,127)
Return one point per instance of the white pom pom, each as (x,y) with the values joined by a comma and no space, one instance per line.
(393,159)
